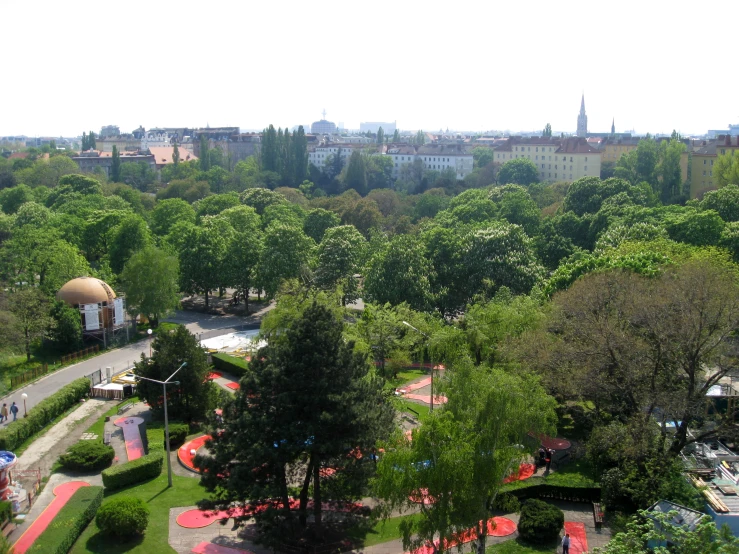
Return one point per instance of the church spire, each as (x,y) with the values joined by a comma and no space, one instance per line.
(582,120)
(613,126)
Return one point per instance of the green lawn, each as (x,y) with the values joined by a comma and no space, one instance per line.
(573,474)
(185,492)
(518,547)
(381,531)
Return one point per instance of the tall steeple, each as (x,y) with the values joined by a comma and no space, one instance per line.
(613,126)
(582,120)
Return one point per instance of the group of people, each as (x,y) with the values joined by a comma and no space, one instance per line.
(4,417)
(545,457)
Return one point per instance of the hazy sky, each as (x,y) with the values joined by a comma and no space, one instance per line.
(653,65)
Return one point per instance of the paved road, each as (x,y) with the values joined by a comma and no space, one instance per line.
(203,325)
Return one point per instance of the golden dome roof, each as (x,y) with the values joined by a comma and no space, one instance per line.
(85,290)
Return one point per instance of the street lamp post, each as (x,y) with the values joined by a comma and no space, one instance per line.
(431,409)
(25,410)
(149,332)
(166,418)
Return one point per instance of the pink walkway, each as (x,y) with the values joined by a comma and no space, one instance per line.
(132,436)
(578,537)
(497,527)
(196,519)
(407,391)
(210,548)
(185,452)
(62,493)
(524,471)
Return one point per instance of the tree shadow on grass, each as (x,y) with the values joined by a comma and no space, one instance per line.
(100,542)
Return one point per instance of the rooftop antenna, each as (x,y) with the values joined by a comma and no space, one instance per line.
(324,113)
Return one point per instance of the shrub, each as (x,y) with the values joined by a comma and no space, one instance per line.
(230,364)
(42,413)
(123,517)
(540,522)
(155,441)
(87,456)
(6,511)
(177,434)
(146,467)
(69,523)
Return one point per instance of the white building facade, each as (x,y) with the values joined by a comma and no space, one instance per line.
(435,157)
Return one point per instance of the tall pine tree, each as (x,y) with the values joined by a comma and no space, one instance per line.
(115,166)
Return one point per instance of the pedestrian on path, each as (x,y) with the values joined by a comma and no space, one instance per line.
(14,411)
(566,544)
(4,413)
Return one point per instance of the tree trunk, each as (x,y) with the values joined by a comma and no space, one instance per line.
(246,300)
(206,299)
(283,491)
(304,494)
(28,345)
(482,535)
(317,498)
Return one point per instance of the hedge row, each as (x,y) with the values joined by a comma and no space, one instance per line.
(130,473)
(67,526)
(230,364)
(6,511)
(572,494)
(177,433)
(42,413)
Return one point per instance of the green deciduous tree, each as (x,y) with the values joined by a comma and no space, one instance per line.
(287,254)
(318,221)
(726,169)
(150,279)
(724,201)
(30,308)
(520,171)
(399,272)
(341,256)
(130,235)
(66,331)
(168,212)
(356,173)
(201,254)
(462,453)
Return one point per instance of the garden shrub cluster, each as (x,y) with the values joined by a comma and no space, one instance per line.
(540,522)
(136,471)
(123,517)
(87,455)
(42,413)
(67,526)
(6,511)
(230,364)
(177,433)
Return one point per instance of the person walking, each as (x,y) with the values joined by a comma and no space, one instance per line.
(566,544)
(548,459)
(14,411)
(4,413)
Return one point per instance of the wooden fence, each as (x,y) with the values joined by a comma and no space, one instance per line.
(18,380)
(80,354)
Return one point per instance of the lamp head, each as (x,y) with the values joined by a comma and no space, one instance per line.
(24,395)
(149,332)
(175,382)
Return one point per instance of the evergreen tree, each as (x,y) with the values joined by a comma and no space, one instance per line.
(115,166)
(175,155)
(396,136)
(268,150)
(91,139)
(310,397)
(85,142)
(380,136)
(547,132)
(356,173)
(300,155)
(204,153)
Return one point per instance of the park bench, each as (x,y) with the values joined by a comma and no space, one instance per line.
(598,514)
(106,438)
(125,407)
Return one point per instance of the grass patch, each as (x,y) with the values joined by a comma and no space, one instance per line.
(576,474)
(185,492)
(516,546)
(403,405)
(33,438)
(382,531)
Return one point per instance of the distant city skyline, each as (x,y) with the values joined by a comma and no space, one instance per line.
(477,66)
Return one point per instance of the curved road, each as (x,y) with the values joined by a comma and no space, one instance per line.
(199,324)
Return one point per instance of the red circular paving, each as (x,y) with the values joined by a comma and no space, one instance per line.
(503,527)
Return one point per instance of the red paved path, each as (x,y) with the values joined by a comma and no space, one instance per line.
(185,452)
(578,537)
(62,493)
(210,548)
(132,436)
(497,527)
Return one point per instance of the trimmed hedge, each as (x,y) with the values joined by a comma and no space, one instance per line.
(230,364)
(540,522)
(177,433)
(87,455)
(555,492)
(6,511)
(42,413)
(123,517)
(67,526)
(130,473)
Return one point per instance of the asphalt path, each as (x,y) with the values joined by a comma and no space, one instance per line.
(202,325)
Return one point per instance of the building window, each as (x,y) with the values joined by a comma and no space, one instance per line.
(586,168)
(704,172)
(704,162)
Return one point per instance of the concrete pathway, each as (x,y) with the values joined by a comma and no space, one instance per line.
(203,325)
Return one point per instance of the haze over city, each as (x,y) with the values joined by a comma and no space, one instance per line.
(476,66)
